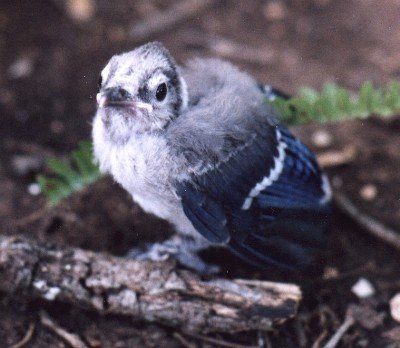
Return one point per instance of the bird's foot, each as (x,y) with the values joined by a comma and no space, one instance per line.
(154,252)
(163,251)
(194,262)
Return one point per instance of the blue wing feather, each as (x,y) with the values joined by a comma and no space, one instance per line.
(286,222)
(206,215)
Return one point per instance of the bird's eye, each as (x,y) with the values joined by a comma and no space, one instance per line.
(99,82)
(161,92)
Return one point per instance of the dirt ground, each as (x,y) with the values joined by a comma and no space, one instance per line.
(49,67)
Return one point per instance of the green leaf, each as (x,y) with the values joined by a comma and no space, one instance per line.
(64,171)
(69,178)
(335,103)
(308,94)
(84,161)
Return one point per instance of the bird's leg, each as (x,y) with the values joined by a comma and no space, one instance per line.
(181,247)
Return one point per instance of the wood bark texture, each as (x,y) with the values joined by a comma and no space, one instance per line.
(149,291)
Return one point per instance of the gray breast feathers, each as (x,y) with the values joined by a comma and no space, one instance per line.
(225,107)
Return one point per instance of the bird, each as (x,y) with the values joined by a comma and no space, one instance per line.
(201,146)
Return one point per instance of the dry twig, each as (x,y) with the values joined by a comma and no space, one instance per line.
(31,218)
(218,342)
(300,333)
(320,338)
(182,340)
(334,340)
(230,49)
(26,338)
(150,291)
(336,158)
(27,147)
(371,225)
(162,21)
(73,340)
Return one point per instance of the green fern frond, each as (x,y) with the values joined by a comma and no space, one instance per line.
(70,178)
(335,103)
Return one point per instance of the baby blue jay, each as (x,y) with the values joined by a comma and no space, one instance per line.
(200,147)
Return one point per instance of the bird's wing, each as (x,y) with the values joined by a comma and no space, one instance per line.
(268,201)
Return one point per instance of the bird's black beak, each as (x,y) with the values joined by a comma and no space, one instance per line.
(119,97)
(114,96)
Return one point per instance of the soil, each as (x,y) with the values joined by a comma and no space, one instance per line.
(49,67)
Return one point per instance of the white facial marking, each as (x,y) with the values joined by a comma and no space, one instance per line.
(156,80)
(101,100)
(105,72)
(184,93)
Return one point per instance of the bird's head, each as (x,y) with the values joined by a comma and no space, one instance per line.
(139,91)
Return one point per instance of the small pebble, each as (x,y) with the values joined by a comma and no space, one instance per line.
(363,288)
(116,34)
(337,182)
(24,164)
(6,96)
(330,273)
(34,189)
(56,127)
(81,10)
(395,307)
(274,11)
(321,138)
(368,192)
(22,67)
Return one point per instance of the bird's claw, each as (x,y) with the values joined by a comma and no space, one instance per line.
(163,251)
(153,252)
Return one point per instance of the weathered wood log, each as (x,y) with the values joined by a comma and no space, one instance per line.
(150,291)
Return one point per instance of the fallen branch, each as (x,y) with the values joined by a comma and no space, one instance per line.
(163,21)
(374,227)
(150,291)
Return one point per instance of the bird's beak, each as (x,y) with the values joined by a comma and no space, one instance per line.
(117,97)
(144,106)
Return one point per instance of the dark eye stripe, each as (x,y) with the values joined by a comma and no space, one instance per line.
(144,94)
